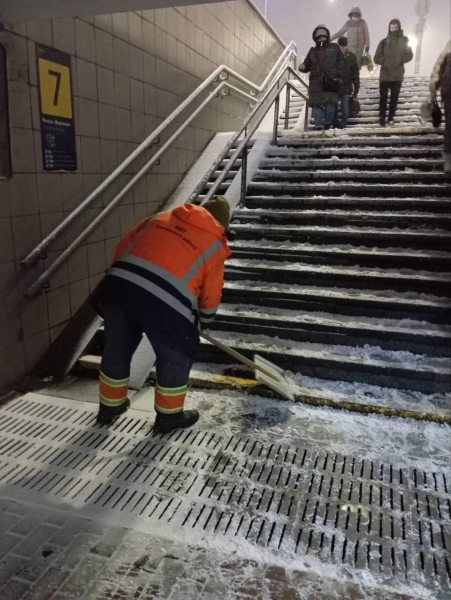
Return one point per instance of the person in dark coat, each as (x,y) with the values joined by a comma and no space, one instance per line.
(392,53)
(441,80)
(358,35)
(323,62)
(350,82)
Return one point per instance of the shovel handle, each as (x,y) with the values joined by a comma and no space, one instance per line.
(236,355)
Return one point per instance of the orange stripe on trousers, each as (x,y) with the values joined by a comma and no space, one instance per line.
(169,402)
(112,393)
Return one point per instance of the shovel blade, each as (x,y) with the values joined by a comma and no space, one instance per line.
(277,382)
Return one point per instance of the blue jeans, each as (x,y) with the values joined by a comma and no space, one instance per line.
(323,115)
(345,104)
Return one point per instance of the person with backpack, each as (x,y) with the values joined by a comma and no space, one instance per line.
(392,53)
(358,34)
(323,62)
(350,82)
(166,281)
(441,80)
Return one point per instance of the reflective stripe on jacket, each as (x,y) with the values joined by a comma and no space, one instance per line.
(179,258)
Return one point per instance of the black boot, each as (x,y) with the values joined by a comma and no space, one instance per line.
(107,415)
(164,423)
(382,122)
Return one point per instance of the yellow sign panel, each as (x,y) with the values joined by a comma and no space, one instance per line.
(55,88)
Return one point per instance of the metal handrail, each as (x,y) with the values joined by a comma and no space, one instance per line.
(222,72)
(285,58)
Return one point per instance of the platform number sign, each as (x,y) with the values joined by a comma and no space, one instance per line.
(56,105)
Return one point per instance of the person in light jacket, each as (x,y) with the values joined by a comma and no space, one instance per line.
(441,79)
(358,34)
(392,53)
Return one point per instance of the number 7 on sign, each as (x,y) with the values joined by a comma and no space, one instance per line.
(56,74)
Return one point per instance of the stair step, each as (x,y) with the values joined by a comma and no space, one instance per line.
(346,255)
(350,188)
(350,302)
(377,237)
(433,205)
(391,140)
(423,164)
(282,153)
(329,329)
(356,277)
(341,362)
(402,220)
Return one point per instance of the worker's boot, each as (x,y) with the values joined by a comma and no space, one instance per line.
(107,415)
(166,422)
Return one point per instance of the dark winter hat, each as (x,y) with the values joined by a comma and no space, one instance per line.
(395,22)
(355,10)
(343,41)
(321,31)
(219,208)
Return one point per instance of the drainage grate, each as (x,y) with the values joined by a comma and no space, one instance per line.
(292,500)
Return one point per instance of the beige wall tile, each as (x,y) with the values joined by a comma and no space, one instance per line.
(113,225)
(127,218)
(5,209)
(85,40)
(87,79)
(136,63)
(23,195)
(120,25)
(64,34)
(78,292)
(150,69)
(49,221)
(19,104)
(96,258)
(161,18)
(60,277)
(121,56)
(58,305)
(35,114)
(34,315)
(140,212)
(77,264)
(105,84)
(26,234)
(72,186)
(107,121)
(98,234)
(138,127)
(135,30)
(137,95)
(148,37)
(40,31)
(90,155)
(104,49)
(34,348)
(161,49)
(122,90)
(149,15)
(108,155)
(104,22)
(12,365)
(161,73)
(6,241)
(89,118)
(17,57)
(22,150)
(123,124)
(50,192)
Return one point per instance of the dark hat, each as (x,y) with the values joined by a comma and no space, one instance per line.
(320,31)
(219,208)
(343,41)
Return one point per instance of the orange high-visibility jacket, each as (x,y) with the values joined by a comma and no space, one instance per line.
(179,258)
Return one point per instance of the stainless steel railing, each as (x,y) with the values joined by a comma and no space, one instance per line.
(275,81)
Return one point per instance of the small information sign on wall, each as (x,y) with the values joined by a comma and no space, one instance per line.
(59,151)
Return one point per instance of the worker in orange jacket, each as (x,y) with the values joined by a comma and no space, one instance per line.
(166,281)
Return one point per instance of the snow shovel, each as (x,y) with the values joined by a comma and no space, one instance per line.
(266,372)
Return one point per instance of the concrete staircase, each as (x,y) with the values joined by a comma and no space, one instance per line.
(341,268)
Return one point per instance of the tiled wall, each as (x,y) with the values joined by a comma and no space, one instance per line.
(130,71)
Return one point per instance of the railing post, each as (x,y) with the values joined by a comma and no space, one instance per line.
(306,117)
(244,173)
(287,108)
(276,120)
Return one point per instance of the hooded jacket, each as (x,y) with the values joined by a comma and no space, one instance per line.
(441,73)
(325,59)
(358,34)
(392,53)
(173,271)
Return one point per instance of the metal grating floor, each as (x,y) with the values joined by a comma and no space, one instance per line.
(292,500)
